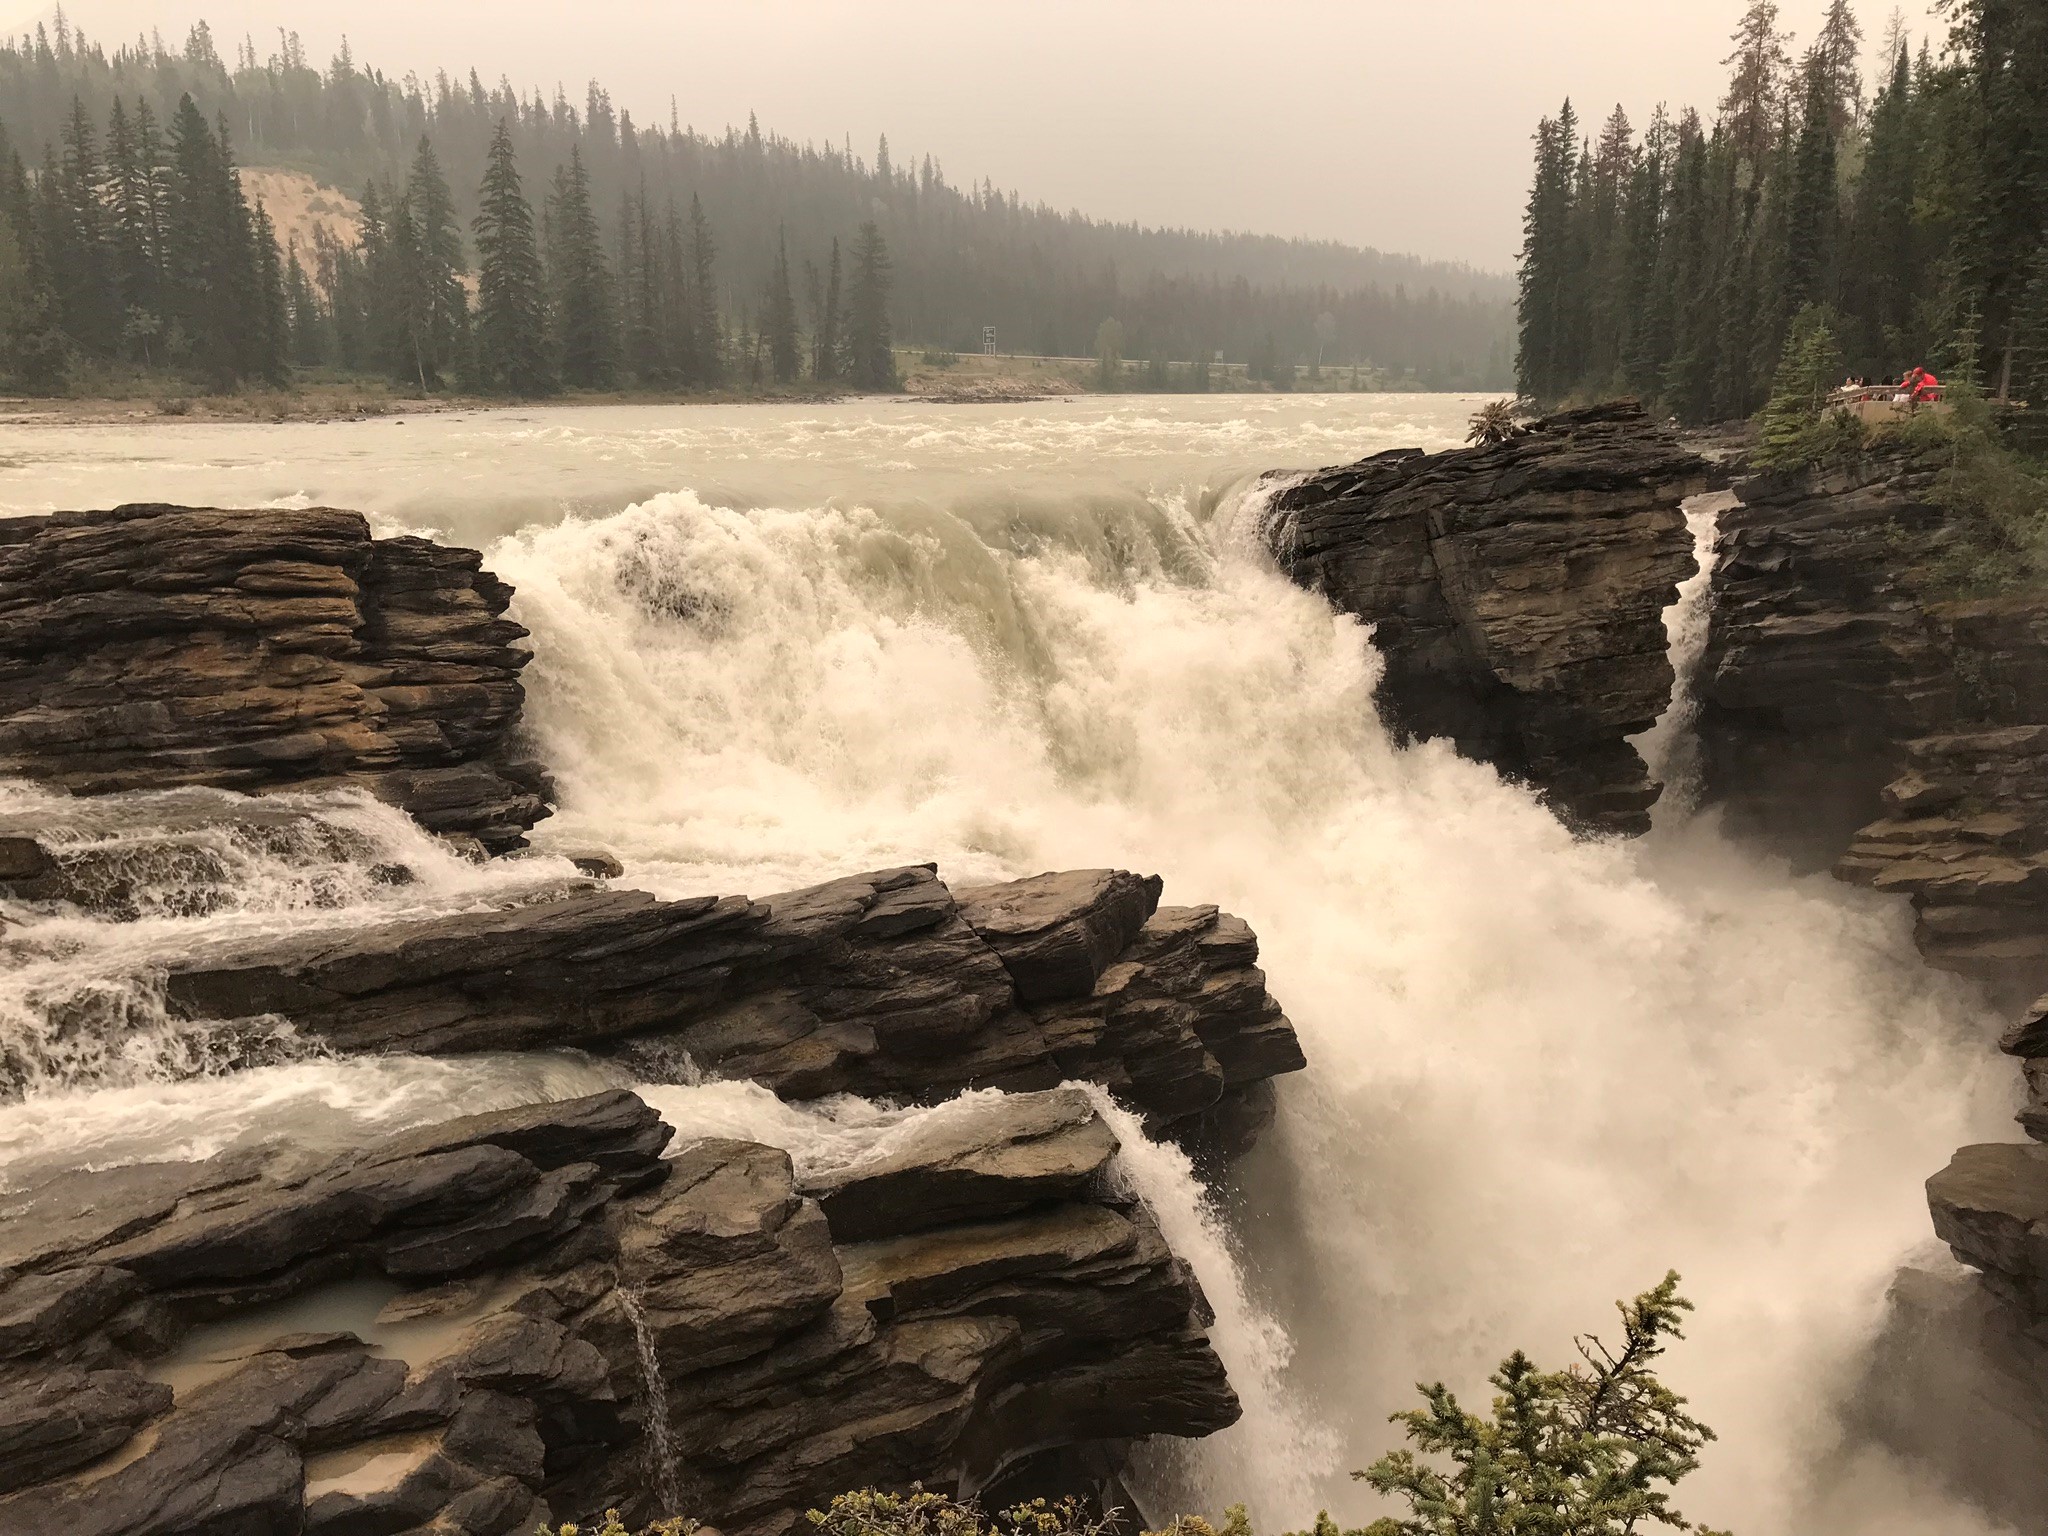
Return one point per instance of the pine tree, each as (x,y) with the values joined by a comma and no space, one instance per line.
(133,232)
(825,346)
(778,317)
(706,329)
(1838,55)
(511,325)
(90,306)
(2030,334)
(870,357)
(200,241)
(1810,230)
(581,279)
(436,308)
(270,337)
(1751,109)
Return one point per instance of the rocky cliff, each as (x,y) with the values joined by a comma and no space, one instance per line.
(152,646)
(1516,594)
(457,1329)
(1858,710)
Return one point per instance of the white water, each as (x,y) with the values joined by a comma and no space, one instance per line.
(1541,1071)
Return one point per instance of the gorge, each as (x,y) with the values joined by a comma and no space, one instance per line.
(1540,1068)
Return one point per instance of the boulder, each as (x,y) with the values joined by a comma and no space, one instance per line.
(151,646)
(1516,594)
(697,1327)
(882,984)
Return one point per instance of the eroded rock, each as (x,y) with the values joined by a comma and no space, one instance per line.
(151,646)
(981,1294)
(883,985)
(1516,594)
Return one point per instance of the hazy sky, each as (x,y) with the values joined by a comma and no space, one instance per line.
(1402,124)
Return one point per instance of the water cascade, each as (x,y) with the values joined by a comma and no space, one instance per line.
(1543,1070)
(661,1451)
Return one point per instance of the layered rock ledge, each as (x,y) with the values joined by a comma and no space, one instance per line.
(1516,594)
(462,1328)
(887,985)
(154,646)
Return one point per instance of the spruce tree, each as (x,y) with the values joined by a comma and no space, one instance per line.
(307,321)
(1547,272)
(132,225)
(825,346)
(778,317)
(2030,334)
(706,330)
(436,306)
(90,305)
(33,351)
(1811,215)
(511,325)
(585,330)
(199,243)
(270,337)
(870,355)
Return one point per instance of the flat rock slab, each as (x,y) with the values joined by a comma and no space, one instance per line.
(983,1291)
(883,984)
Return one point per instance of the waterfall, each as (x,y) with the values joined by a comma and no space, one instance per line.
(661,1450)
(1542,1070)
(1671,747)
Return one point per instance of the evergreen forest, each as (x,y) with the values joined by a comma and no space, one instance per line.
(1902,219)
(522,243)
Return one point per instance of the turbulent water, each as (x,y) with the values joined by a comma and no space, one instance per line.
(776,644)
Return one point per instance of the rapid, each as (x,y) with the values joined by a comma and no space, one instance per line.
(776,644)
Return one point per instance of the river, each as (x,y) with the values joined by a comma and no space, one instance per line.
(775,644)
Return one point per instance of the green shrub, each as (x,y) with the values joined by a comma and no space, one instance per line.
(1576,1452)
(1586,1451)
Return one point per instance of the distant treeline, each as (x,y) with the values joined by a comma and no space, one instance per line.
(1913,224)
(663,197)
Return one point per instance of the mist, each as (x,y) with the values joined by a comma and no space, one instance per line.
(1399,126)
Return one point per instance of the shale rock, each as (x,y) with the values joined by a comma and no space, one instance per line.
(586,1323)
(1516,594)
(152,646)
(1822,659)
(883,985)
(1855,711)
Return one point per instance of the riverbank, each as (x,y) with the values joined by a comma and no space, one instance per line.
(928,378)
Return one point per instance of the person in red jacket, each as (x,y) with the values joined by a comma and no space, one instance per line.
(1922,387)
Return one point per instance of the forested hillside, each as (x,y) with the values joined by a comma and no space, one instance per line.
(676,209)
(1910,220)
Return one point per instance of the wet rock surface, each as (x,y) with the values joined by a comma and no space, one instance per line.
(468,1326)
(884,985)
(1516,594)
(153,646)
